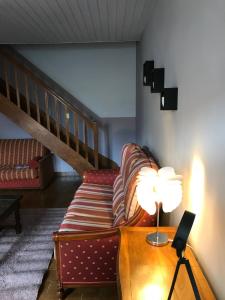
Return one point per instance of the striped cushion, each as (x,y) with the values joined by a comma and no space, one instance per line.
(129,164)
(123,187)
(118,194)
(119,218)
(8,173)
(20,151)
(153,164)
(129,151)
(118,201)
(94,191)
(91,209)
(130,154)
(131,204)
(130,200)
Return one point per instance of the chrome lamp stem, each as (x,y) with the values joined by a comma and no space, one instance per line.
(157,238)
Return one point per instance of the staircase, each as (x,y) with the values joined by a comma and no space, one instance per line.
(47,117)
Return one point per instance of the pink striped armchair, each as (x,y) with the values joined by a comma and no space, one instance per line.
(86,244)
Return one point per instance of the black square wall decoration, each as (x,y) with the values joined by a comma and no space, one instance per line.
(147,72)
(168,99)
(157,80)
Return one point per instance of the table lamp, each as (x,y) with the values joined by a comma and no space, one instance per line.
(155,188)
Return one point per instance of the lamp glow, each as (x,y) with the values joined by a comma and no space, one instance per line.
(197,186)
(154,188)
(155,290)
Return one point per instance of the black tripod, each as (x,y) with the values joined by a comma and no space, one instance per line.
(183,261)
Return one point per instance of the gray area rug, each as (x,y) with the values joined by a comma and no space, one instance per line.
(25,257)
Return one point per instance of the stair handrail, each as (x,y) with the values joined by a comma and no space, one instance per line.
(89,120)
(7,58)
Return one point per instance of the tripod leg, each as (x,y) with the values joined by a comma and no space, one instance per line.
(174,278)
(192,279)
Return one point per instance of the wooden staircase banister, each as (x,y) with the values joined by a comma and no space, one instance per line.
(40,82)
(43,135)
(28,95)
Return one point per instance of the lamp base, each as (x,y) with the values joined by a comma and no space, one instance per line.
(157,239)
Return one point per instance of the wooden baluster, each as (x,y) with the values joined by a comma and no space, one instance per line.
(6,80)
(95,133)
(46,111)
(85,139)
(17,89)
(27,95)
(57,118)
(37,105)
(67,118)
(76,132)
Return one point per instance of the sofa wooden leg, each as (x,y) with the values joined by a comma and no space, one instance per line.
(63,293)
(60,292)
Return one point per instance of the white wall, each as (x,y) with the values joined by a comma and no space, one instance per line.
(9,130)
(187,38)
(101,76)
(120,131)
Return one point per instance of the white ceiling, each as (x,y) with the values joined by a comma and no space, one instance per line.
(72,21)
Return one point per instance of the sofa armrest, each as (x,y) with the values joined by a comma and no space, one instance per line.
(87,257)
(84,235)
(104,176)
(46,170)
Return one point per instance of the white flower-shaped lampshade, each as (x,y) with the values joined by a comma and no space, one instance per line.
(146,195)
(163,187)
(154,187)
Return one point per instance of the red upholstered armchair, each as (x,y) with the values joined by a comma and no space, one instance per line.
(24,163)
(86,244)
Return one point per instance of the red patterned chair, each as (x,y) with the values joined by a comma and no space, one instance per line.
(24,163)
(86,244)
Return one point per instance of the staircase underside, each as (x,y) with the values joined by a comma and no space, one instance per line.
(43,135)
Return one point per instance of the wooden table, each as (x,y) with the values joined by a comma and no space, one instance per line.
(146,272)
(10,204)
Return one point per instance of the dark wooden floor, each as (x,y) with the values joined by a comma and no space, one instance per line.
(59,194)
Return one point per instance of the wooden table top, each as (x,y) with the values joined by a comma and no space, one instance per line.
(146,272)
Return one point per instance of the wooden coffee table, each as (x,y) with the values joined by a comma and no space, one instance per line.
(10,204)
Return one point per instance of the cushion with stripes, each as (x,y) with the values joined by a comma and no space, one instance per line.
(90,209)
(119,218)
(118,194)
(94,191)
(130,199)
(129,164)
(128,151)
(8,173)
(118,202)
(118,187)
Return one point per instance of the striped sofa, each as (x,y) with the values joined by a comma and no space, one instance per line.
(86,243)
(24,163)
